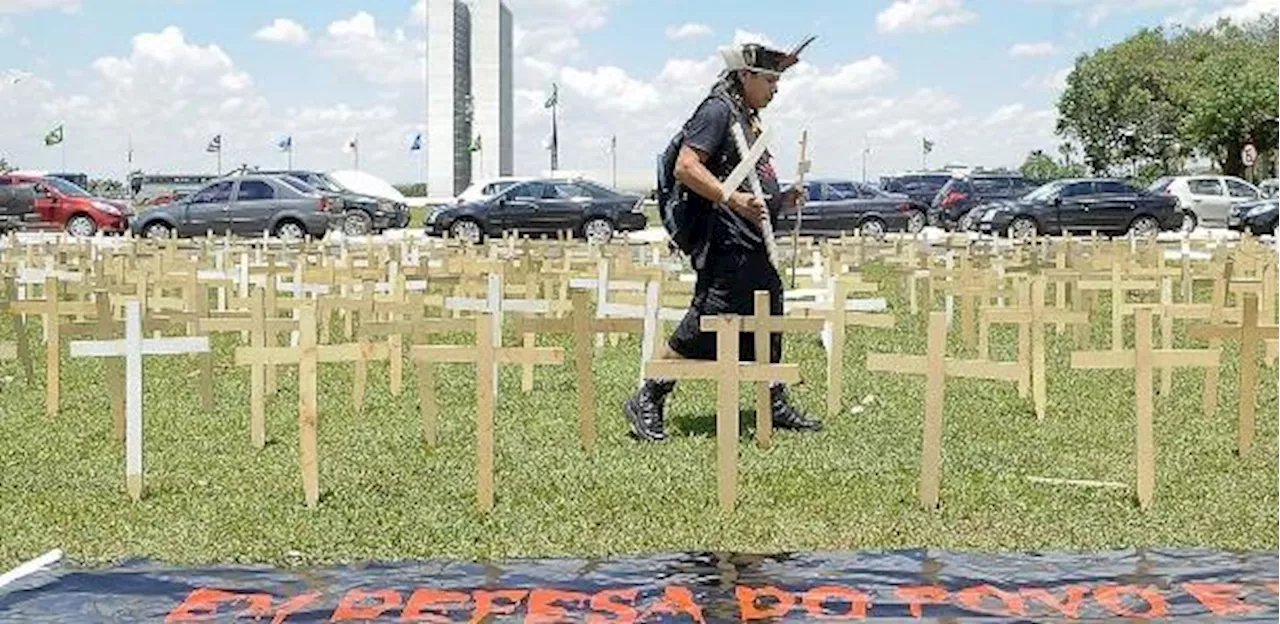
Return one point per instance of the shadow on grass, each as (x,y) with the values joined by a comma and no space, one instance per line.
(705,424)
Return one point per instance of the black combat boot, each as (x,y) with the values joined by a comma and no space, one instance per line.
(786,415)
(647,410)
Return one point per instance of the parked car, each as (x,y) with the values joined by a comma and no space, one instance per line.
(833,207)
(361,214)
(952,204)
(33,199)
(247,205)
(1107,206)
(1269,188)
(1256,217)
(1206,199)
(920,187)
(543,207)
(148,189)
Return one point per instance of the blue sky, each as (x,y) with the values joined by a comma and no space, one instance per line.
(978,77)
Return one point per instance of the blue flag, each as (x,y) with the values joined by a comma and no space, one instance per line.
(417,143)
(286,144)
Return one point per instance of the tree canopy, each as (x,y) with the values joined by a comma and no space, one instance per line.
(1160,97)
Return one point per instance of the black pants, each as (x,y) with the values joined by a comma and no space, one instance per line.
(727,285)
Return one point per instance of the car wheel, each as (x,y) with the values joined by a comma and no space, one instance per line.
(916,222)
(872,228)
(598,231)
(1023,228)
(1189,221)
(1144,227)
(966,222)
(467,231)
(81,226)
(357,223)
(290,231)
(158,231)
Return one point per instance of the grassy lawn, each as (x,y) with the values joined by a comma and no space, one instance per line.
(212,498)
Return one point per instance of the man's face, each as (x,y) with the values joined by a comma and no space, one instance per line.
(759,88)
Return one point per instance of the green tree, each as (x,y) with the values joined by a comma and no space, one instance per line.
(1042,167)
(417,189)
(112,189)
(4,165)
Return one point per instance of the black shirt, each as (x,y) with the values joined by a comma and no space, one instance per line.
(708,131)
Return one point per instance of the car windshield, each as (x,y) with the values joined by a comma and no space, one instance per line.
(1047,191)
(298,184)
(1160,185)
(326,183)
(67,188)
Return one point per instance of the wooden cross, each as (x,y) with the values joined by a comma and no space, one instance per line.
(1167,310)
(1119,289)
(1144,359)
(307,356)
(487,355)
(20,349)
(936,367)
(132,349)
(838,314)
(583,326)
(53,309)
(728,372)
(1251,335)
(1031,320)
(762,324)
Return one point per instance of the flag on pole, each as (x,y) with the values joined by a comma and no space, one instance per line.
(215,145)
(475,145)
(417,143)
(928,145)
(352,145)
(554,98)
(286,144)
(54,137)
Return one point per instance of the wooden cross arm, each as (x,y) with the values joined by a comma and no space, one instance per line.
(865,319)
(331,304)
(690,369)
(384,329)
(352,351)
(1161,358)
(1065,316)
(161,346)
(526,325)
(617,325)
(65,308)
(1122,285)
(460,354)
(1208,332)
(1005,316)
(1180,310)
(782,324)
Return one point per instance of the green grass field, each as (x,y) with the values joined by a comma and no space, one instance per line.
(212,498)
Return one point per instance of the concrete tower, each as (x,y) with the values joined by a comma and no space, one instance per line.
(491,85)
(449,103)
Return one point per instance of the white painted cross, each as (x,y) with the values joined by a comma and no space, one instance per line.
(132,348)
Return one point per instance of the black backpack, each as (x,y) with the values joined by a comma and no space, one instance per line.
(685,214)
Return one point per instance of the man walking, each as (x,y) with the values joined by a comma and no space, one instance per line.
(730,257)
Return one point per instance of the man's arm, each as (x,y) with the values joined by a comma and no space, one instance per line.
(692,172)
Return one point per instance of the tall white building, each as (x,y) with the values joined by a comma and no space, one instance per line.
(469,93)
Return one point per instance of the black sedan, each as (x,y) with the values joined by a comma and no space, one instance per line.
(1103,205)
(543,207)
(833,207)
(1256,217)
(361,214)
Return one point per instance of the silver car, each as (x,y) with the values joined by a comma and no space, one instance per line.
(1206,199)
(247,205)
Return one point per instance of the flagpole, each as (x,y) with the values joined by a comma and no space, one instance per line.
(555,139)
(613,149)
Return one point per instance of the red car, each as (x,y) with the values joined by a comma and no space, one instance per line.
(32,198)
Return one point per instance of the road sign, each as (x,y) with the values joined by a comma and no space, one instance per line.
(1249,155)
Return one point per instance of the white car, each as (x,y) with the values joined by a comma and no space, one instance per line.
(1206,199)
(484,189)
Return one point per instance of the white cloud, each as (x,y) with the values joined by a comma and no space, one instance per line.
(283,30)
(419,12)
(923,16)
(742,36)
(610,88)
(688,30)
(383,58)
(30,6)
(1038,48)
(1243,11)
(856,76)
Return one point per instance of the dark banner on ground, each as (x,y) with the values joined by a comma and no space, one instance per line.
(694,587)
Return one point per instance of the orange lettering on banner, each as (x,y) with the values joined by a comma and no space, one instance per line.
(1068,608)
(1221,598)
(972,598)
(294,605)
(359,604)
(204,604)
(816,599)
(1112,597)
(780,602)
(497,602)
(920,595)
(433,605)
(620,603)
(548,606)
(676,600)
